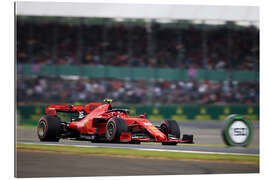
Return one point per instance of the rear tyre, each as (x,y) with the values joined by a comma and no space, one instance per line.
(170,127)
(114,128)
(49,128)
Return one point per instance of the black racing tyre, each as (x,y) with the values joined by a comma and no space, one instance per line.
(170,127)
(49,128)
(114,128)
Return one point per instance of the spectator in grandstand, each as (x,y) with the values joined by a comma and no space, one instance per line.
(123,45)
(136,91)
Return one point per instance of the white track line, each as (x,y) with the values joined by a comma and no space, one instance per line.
(141,149)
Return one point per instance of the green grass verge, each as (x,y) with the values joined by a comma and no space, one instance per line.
(204,145)
(141,153)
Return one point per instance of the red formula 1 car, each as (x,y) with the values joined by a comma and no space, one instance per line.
(101,123)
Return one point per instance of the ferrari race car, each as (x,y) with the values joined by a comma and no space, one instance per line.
(102,123)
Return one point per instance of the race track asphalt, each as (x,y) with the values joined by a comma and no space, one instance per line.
(51,164)
(207,138)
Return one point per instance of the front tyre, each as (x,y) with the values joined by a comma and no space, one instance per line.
(49,128)
(170,128)
(114,128)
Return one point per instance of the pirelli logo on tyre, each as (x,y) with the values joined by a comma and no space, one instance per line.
(237,130)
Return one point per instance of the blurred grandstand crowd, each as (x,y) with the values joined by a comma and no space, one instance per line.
(52,90)
(134,46)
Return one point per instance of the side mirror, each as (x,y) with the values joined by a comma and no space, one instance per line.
(142,116)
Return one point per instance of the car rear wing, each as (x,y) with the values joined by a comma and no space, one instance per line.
(53,108)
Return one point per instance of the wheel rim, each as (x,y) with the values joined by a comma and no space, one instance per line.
(42,129)
(164,128)
(110,130)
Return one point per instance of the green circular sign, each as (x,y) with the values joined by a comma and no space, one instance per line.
(237,130)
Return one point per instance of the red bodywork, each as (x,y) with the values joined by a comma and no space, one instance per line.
(96,119)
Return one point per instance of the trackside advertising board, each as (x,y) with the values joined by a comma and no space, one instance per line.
(32,113)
